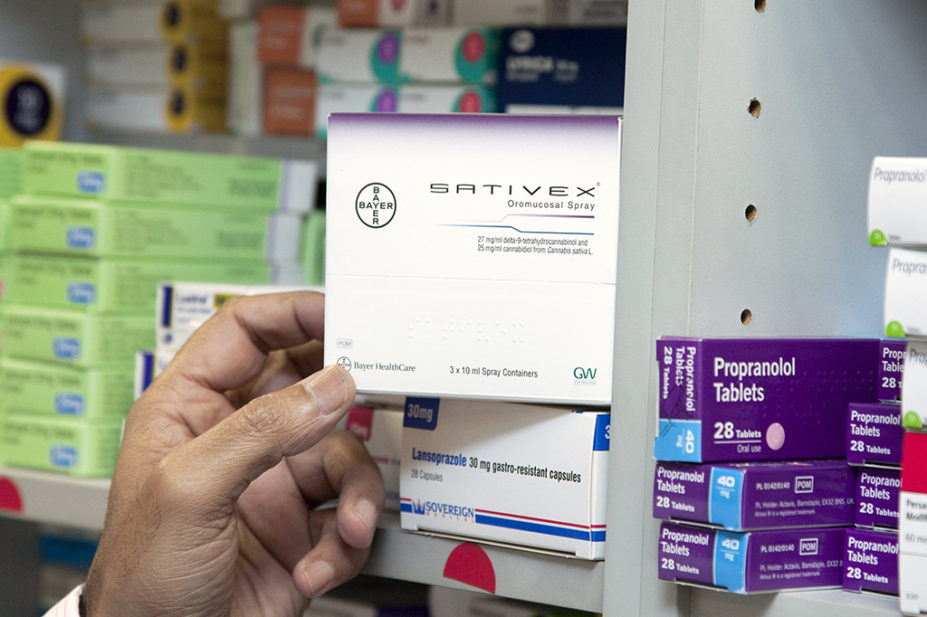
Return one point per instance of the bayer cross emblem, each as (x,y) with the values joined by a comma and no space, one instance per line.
(375,205)
(345,363)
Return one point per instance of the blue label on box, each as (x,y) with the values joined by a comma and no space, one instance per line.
(421,412)
(82,293)
(730,562)
(602,432)
(725,497)
(66,348)
(69,403)
(92,182)
(678,440)
(80,238)
(62,456)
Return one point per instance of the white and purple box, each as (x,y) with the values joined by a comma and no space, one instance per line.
(751,561)
(759,399)
(891,369)
(744,496)
(871,561)
(878,492)
(874,434)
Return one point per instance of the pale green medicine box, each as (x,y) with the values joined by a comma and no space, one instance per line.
(167,177)
(79,449)
(72,337)
(4,226)
(45,389)
(104,229)
(11,172)
(117,285)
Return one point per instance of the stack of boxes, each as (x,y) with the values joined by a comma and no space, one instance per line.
(751,446)
(896,221)
(93,232)
(156,65)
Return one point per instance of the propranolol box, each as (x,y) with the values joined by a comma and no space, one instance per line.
(168,177)
(745,496)
(52,390)
(449,55)
(501,251)
(381,431)
(759,399)
(874,434)
(537,482)
(891,369)
(897,188)
(751,561)
(914,387)
(905,296)
(870,561)
(133,229)
(363,55)
(48,444)
(877,496)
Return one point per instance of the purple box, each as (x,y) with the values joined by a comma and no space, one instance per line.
(891,368)
(769,495)
(878,493)
(760,399)
(870,561)
(874,433)
(751,561)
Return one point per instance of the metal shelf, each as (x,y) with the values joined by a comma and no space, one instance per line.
(56,499)
(834,603)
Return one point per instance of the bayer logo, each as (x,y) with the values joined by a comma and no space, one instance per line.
(344,362)
(375,205)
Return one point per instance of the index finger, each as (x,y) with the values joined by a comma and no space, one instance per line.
(230,348)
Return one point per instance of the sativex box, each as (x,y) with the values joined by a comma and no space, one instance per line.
(751,561)
(168,177)
(897,188)
(759,399)
(877,497)
(500,252)
(538,482)
(745,496)
(874,434)
(381,431)
(870,561)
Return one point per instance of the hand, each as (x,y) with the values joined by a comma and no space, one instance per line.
(212,504)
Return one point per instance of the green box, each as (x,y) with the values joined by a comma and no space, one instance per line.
(313,256)
(4,225)
(167,177)
(44,389)
(79,449)
(75,338)
(107,229)
(11,172)
(117,285)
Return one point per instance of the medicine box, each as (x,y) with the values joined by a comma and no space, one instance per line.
(905,278)
(381,431)
(449,55)
(194,21)
(561,70)
(587,12)
(390,13)
(289,101)
(33,101)
(744,496)
(245,80)
(500,253)
(912,525)
(352,98)
(759,399)
(751,561)
(877,497)
(288,35)
(11,171)
(70,337)
(891,369)
(439,99)
(914,387)
(63,446)
(495,13)
(42,389)
(874,434)
(897,188)
(157,66)
(313,256)
(168,177)
(133,229)
(870,561)
(172,109)
(538,481)
(114,285)
(364,55)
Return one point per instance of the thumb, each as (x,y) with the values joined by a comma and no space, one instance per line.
(214,469)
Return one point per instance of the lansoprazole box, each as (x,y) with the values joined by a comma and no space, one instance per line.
(132,229)
(144,371)
(759,399)
(437,99)
(751,561)
(891,369)
(874,434)
(75,448)
(70,337)
(539,482)
(905,298)
(877,496)
(449,55)
(897,187)
(871,561)
(745,496)
(500,253)
(352,98)
(116,285)
(42,389)
(363,55)
(381,431)
(168,177)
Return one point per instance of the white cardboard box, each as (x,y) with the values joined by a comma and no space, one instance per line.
(897,192)
(449,55)
(380,429)
(359,55)
(472,261)
(530,476)
(905,302)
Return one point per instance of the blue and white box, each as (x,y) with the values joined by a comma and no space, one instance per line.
(536,480)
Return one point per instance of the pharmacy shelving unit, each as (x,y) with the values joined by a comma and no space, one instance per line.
(750,126)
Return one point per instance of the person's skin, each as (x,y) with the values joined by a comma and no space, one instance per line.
(211,507)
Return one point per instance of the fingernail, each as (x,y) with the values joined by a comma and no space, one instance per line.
(318,577)
(366,512)
(328,388)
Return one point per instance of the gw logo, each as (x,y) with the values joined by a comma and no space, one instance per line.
(581,373)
